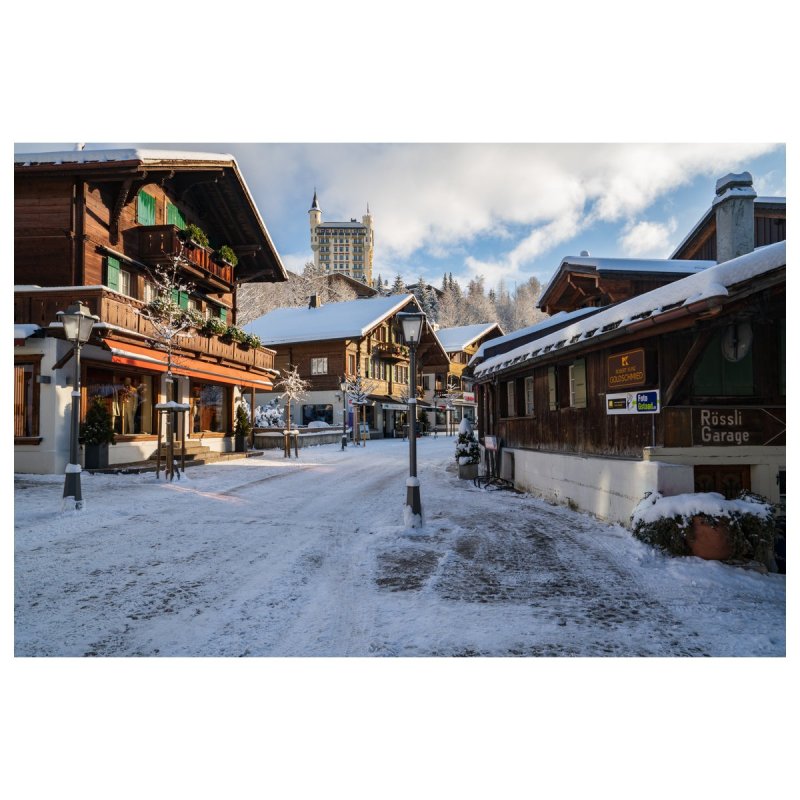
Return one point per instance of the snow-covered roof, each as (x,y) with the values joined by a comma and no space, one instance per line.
(455,339)
(653,266)
(24,331)
(540,327)
(710,283)
(116,154)
(348,320)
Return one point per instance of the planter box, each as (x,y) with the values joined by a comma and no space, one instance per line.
(708,541)
(468,471)
(96,456)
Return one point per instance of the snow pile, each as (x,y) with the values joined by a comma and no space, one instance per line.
(712,504)
(318,423)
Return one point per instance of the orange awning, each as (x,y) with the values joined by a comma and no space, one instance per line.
(156,360)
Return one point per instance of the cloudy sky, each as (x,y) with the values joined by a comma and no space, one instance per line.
(504,211)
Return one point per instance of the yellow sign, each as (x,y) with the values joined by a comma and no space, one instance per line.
(627,369)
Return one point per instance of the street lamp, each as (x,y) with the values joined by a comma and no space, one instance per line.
(343,387)
(412,323)
(78,323)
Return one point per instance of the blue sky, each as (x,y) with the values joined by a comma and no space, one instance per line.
(503,211)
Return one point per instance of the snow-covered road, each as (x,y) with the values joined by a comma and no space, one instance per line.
(308,557)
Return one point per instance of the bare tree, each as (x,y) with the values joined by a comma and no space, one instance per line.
(359,389)
(294,388)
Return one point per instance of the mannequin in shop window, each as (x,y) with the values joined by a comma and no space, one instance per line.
(129,402)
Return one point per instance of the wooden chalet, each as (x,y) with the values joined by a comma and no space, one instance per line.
(460,343)
(679,389)
(360,337)
(92,226)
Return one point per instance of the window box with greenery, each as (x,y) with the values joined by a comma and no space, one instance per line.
(234,334)
(194,236)
(225,255)
(97,432)
(214,326)
(242,428)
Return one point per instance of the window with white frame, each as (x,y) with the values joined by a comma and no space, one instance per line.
(319,366)
(529,397)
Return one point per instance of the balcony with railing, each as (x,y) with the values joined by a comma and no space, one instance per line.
(391,351)
(159,243)
(39,307)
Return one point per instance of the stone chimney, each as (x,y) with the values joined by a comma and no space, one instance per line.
(314,301)
(734,210)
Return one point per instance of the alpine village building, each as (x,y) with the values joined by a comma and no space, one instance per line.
(665,376)
(342,247)
(92,226)
(450,393)
(360,338)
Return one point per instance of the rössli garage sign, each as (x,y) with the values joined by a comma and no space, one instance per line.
(729,427)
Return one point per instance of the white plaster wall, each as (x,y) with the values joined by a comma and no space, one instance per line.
(609,488)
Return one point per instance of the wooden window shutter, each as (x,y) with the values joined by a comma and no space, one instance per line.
(175,217)
(112,273)
(19,400)
(223,314)
(183,300)
(145,209)
(552,388)
(577,384)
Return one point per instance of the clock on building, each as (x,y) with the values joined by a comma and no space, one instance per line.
(736,341)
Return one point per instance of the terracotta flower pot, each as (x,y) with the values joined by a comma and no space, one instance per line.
(708,541)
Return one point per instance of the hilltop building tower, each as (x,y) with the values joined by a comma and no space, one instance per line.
(342,247)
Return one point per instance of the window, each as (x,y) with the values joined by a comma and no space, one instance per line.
(318,413)
(552,388)
(208,407)
(351,364)
(150,292)
(577,384)
(145,209)
(125,282)
(26,398)
(319,366)
(127,396)
(529,397)
(511,408)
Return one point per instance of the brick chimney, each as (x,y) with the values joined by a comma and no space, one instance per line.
(734,210)
(314,301)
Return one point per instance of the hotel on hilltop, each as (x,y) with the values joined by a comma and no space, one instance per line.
(342,247)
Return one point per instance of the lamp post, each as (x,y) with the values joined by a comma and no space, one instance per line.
(78,323)
(343,387)
(412,324)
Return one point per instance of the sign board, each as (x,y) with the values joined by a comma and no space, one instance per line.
(394,407)
(732,427)
(626,370)
(468,397)
(646,402)
(490,442)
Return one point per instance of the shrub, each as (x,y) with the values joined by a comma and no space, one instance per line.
(252,340)
(236,334)
(243,426)
(98,427)
(196,234)
(215,326)
(664,522)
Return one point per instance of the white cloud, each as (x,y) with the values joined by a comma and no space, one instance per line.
(647,239)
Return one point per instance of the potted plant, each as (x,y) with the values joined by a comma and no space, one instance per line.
(97,432)
(225,255)
(194,236)
(234,334)
(242,428)
(251,340)
(468,451)
(214,326)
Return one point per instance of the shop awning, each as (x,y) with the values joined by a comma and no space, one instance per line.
(156,360)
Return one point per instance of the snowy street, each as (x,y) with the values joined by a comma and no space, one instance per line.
(308,557)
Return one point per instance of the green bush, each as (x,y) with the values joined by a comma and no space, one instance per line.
(243,426)
(235,334)
(215,326)
(252,340)
(196,234)
(226,253)
(98,427)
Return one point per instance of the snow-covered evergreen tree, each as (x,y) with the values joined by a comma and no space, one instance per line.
(399,286)
(468,450)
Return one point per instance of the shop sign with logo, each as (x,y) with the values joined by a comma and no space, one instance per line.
(627,370)
(647,402)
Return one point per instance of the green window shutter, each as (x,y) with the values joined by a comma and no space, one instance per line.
(175,217)
(175,296)
(183,300)
(223,314)
(112,273)
(145,209)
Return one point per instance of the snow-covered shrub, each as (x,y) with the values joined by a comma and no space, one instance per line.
(468,450)
(269,416)
(665,522)
(318,423)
